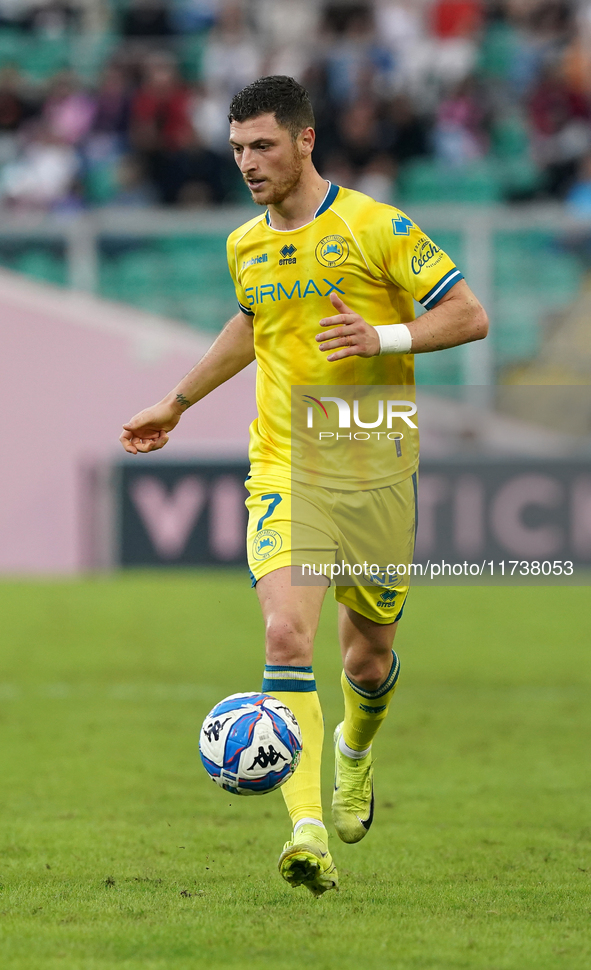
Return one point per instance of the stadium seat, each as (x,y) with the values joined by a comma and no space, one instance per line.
(42,264)
(442,368)
(426,180)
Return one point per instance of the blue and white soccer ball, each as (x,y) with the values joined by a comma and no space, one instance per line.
(250,744)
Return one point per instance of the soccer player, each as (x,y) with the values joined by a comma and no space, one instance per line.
(325,279)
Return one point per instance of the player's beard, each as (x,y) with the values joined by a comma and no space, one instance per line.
(278,188)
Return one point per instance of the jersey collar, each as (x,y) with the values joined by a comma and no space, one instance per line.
(331,194)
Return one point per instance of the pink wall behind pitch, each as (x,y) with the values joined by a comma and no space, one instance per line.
(73,368)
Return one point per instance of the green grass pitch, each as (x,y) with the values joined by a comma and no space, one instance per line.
(116,851)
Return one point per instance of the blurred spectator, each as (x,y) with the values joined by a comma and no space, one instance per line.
(203,178)
(391,81)
(69,110)
(195,15)
(112,107)
(377,179)
(338,170)
(232,57)
(133,187)
(209,117)
(578,197)
(459,135)
(283,23)
(353,55)
(161,129)
(358,136)
(182,168)
(44,175)
(147,18)
(52,17)
(15,109)
(456,18)
(406,132)
(562,135)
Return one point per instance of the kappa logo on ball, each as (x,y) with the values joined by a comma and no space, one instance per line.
(332,251)
(265,543)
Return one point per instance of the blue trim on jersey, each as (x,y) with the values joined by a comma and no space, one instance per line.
(329,198)
(333,191)
(246,309)
(253,579)
(440,289)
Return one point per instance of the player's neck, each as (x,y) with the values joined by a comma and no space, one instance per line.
(300,206)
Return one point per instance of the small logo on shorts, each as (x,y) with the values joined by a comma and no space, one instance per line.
(265,543)
(386,578)
(387,598)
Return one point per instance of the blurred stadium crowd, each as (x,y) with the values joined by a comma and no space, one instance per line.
(417,100)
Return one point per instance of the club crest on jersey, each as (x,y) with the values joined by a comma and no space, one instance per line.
(265,543)
(287,252)
(332,251)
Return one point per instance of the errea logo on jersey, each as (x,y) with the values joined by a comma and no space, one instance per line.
(255,259)
(287,253)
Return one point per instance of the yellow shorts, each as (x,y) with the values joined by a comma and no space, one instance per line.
(362,541)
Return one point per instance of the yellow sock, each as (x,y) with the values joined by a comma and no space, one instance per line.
(365,710)
(296,688)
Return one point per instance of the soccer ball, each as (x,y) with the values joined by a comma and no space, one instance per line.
(250,744)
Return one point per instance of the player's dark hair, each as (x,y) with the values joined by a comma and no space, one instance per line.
(279,95)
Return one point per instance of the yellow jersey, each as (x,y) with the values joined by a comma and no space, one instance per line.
(377,260)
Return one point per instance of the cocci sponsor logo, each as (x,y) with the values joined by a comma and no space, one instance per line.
(427,250)
(332,251)
(265,543)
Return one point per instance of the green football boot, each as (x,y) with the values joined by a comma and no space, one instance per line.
(352,800)
(306,861)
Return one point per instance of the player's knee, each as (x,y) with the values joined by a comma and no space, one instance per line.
(287,642)
(368,673)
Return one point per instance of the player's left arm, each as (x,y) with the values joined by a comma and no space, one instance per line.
(458,318)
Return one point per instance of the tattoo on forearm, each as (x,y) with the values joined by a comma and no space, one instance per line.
(181,399)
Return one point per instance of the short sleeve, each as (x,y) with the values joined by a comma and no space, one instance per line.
(240,294)
(403,254)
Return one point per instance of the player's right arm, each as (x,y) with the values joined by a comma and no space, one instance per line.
(230,353)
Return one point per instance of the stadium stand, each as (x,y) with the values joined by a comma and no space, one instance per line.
(459,102)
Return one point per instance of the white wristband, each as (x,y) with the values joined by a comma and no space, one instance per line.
(394,338)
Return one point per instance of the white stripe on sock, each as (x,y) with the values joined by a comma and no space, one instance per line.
(308,821)
(350,752)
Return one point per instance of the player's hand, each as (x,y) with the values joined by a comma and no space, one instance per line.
(349,336)
(148,430)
